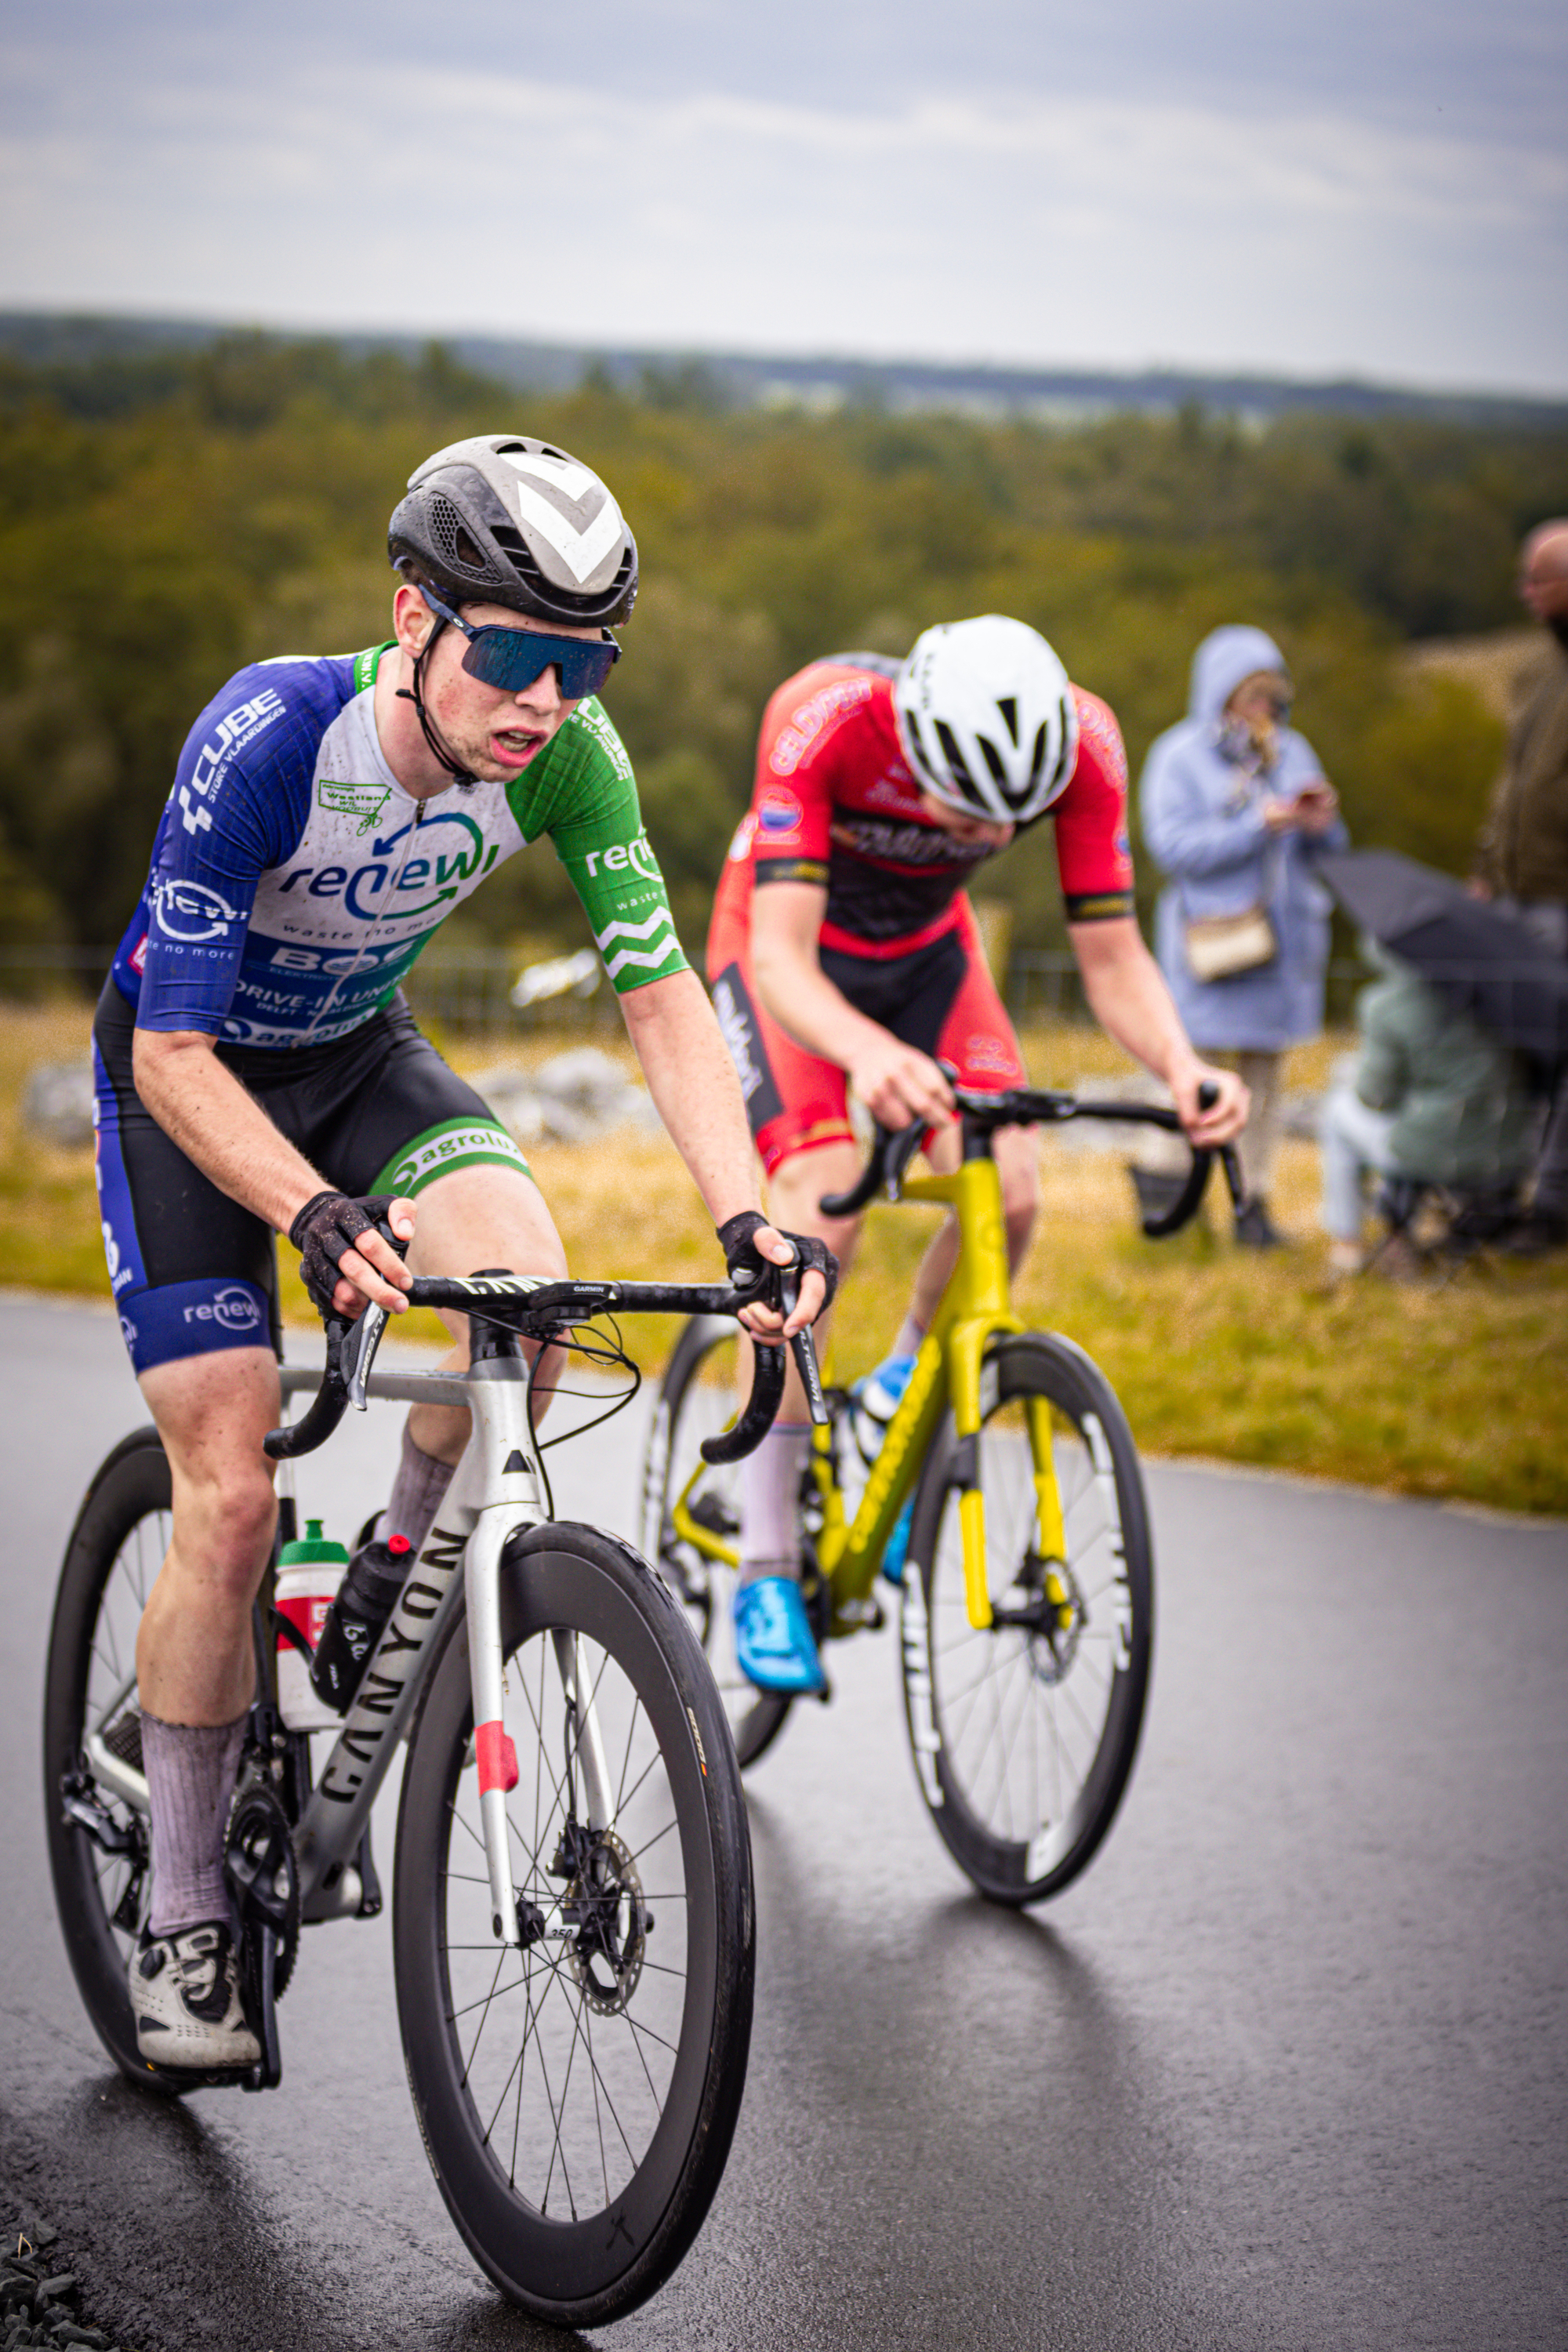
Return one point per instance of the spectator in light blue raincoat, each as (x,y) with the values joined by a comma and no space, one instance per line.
(1234,807)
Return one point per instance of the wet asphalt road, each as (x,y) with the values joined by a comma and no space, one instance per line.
(1285,2069)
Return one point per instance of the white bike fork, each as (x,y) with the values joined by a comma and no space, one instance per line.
(506,1471)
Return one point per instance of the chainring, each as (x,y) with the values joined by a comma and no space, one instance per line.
(264,1878)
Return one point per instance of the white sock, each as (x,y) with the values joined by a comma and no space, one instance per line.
(770,1502)
(910,1335)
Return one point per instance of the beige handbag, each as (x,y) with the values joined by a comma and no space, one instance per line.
(1221,946)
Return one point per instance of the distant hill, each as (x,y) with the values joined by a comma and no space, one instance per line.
(823,383)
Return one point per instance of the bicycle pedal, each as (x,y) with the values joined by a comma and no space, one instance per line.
(219,2078)
(867,1616)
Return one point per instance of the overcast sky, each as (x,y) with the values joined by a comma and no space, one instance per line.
(1380,190)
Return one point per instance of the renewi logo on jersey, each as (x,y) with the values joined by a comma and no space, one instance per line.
(374,892)
(626,858)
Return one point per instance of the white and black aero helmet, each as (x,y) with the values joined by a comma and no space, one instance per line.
(502,520)
(986,718)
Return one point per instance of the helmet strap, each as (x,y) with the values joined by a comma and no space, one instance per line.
(439,748)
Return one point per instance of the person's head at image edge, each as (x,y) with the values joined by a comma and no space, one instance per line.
(502,538)
(1544,576)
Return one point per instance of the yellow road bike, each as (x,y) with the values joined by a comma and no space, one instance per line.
(1026,1604)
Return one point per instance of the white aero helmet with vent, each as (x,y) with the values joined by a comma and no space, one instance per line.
(986,718)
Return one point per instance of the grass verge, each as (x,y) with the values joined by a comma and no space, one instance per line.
(1457,1389)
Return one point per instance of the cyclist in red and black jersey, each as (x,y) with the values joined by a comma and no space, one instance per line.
(844,951)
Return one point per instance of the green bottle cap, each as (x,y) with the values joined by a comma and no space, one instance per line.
(311,1546)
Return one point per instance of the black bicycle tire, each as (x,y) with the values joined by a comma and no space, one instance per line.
(571,2273)
(131,1483)
(764,1719)
(1042,1363)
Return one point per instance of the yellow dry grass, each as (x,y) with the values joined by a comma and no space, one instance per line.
(1457,1389)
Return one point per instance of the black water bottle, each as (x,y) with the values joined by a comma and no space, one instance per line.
(357,1618)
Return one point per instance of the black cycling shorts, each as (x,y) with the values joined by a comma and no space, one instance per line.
(192,1272)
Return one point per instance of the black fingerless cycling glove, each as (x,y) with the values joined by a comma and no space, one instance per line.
(324,1231)
(748,1268)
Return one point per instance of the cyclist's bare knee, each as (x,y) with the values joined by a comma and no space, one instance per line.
(213,1412)
(192,1647)
(1017,1160)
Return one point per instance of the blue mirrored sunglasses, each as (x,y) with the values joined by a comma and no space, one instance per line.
(514,658)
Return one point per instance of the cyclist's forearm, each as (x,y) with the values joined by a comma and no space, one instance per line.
(203,1108)
(801,998)
(1128,996)
(695,1090)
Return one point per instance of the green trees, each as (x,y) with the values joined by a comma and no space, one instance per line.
(163,519)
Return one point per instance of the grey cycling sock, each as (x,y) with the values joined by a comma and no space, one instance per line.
(770,1502)
(417,1493)
(910,1338)
(191,1770)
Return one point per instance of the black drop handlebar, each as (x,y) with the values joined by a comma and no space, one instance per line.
(535,1310)
(979,1115)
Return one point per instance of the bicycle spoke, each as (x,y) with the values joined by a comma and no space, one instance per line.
(1024,1715)
(487,1998)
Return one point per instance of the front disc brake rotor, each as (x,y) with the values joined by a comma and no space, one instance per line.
(612,1923)
(1047,1592)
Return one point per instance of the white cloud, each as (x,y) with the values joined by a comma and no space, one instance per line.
(1031,229)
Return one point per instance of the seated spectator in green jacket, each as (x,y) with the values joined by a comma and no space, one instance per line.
(1431,1095)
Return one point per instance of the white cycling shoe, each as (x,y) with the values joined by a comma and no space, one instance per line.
(184,1995)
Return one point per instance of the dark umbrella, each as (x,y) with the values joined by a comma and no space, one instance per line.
(1482,961)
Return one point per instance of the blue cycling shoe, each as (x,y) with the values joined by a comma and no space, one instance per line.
(773,1645)
(878,1397)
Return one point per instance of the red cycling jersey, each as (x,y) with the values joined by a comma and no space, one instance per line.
(835,803)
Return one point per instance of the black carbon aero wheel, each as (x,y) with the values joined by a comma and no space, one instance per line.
(92,1738)
(697,1398)
(1024,1735)
(577,2097)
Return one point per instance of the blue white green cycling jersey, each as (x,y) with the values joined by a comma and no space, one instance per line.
(294,880)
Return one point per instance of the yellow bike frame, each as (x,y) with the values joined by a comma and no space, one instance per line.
(976,1308)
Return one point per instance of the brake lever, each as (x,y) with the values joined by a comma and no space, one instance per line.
(363,1337)
(804,1354)
(357,1353)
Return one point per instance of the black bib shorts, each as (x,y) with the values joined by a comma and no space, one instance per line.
(192,1272)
